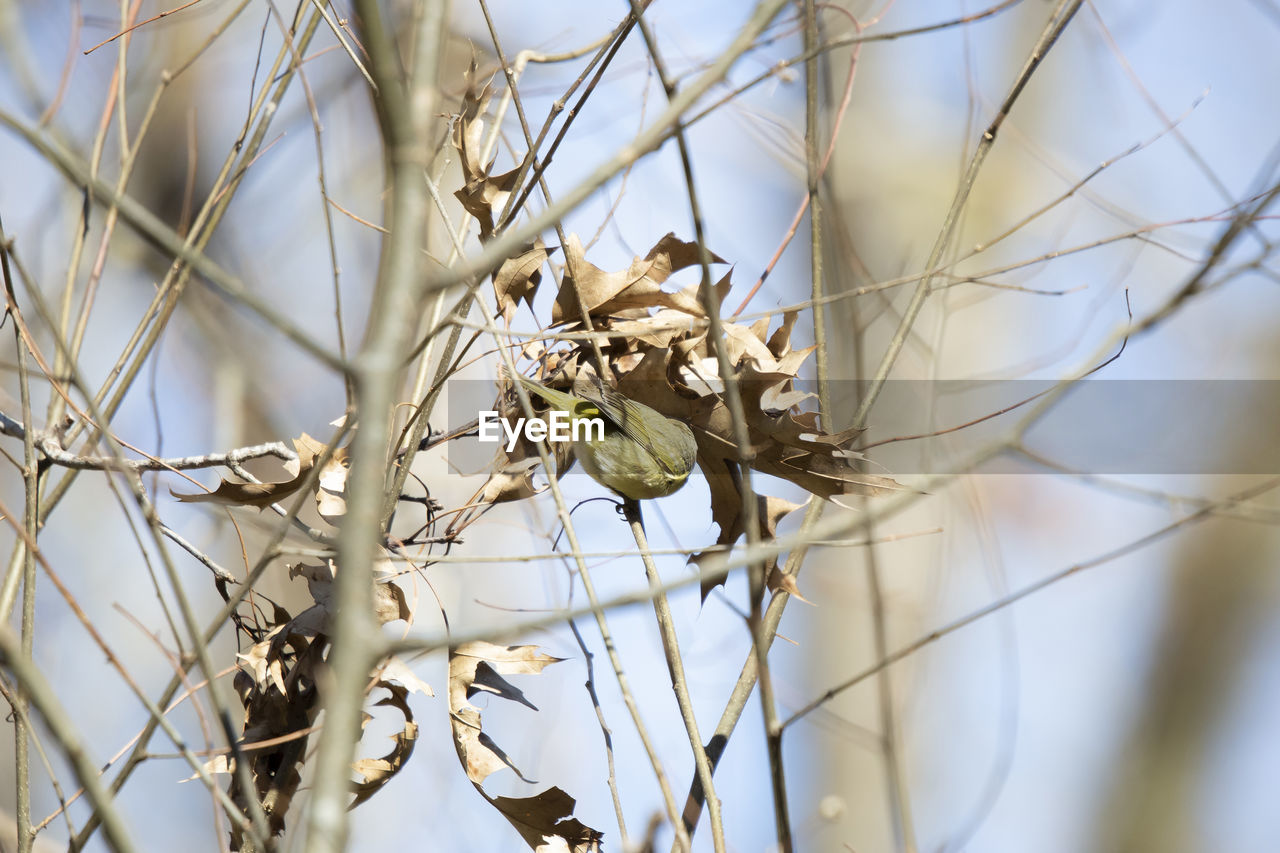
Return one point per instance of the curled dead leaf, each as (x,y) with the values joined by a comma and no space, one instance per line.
(780,581)
(638,286)
(484,195)
(232,493)
(545,820)
(518,278)
(390,604)
(468,128)
(475,668)
(374,773)
(394,669)
(512,481)
(331,486)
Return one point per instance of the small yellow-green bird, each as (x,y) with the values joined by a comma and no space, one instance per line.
(642,454)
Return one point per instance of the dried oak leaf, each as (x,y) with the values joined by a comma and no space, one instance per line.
(544,821)
(485,194)
(780,581)
(376,772)
(657,330)
(478,668)
(276,684)
(482,192)
(518,278)
(390,604)
(218,764)
(770,510)
(638,286)
(331,486)
(468,128)
(512,472)
(389,601)
(264,494)
(394,669)
(394,676)
(267,661)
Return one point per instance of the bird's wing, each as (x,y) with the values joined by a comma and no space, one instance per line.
(634,419)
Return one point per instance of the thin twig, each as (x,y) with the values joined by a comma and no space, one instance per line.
(342,40)
(164,238)
(45,701)
(50,445)
(675,669)
(259,828)
(1062,15)
(405,111)
(501,248)
(683,842)
(584,573)
(31,476)
(219,573)
(733,400)
(317,130)
(1026,591)
(588,660)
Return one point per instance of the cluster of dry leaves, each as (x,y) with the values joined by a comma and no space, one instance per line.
(655,349)
(278,674)
(658,351)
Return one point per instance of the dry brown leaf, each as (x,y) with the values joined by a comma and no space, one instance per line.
(478,667)
(742,344)
(394,669)
(374,773)
(726,499)
(638,286)
(784,441)
(468,129)
(319,577)
(242,494)
(230,493)
(466,660)
(389,604)
(256,661)
(657,331)
(781,581)
(218,764)
(510,482)
(512,473)
(544,821)
(661,356)
(389,600)
(780,343)
(484,196)
(276,685)
(518,278)
(331,486)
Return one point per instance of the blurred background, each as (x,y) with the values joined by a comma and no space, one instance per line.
(1126,707)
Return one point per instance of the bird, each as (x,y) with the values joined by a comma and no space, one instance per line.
(641,454)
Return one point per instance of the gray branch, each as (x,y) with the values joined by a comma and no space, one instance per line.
(49,444)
